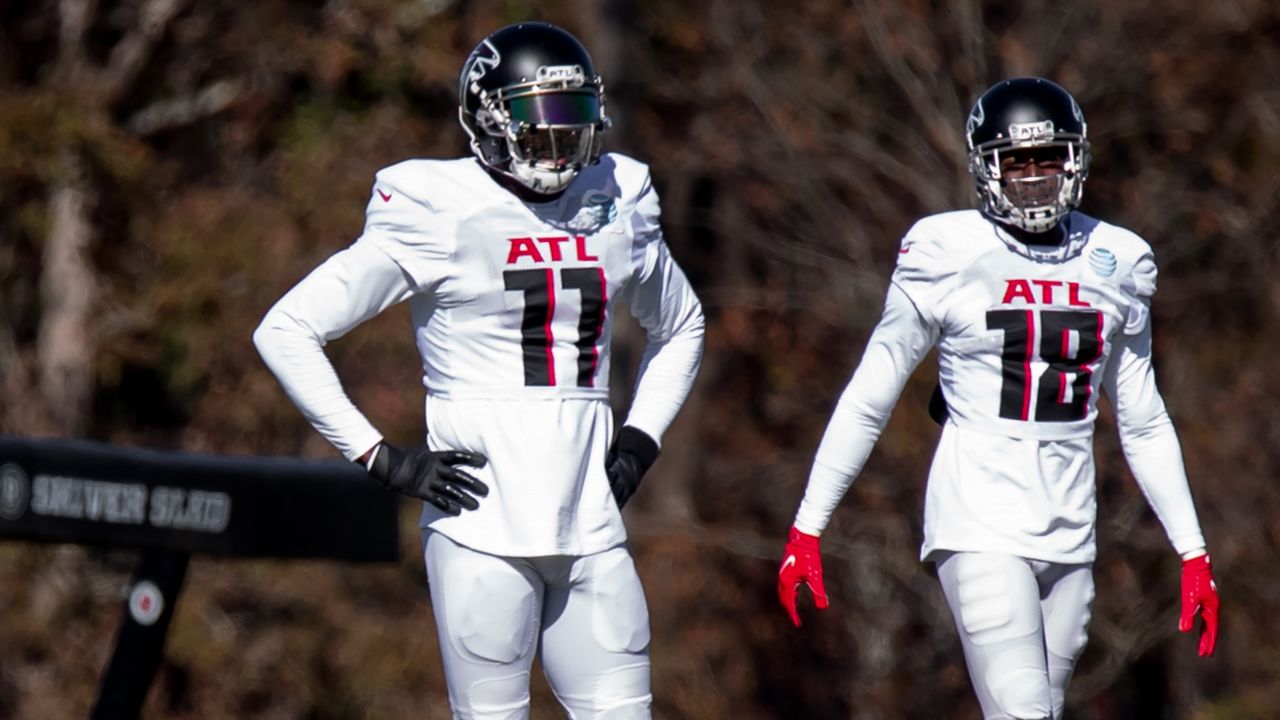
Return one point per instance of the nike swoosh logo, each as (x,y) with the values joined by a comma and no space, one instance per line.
(386,197)
(791,560)
(904,251)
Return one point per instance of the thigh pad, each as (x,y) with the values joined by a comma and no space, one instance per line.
(619,616)
(989,602)
(492,615)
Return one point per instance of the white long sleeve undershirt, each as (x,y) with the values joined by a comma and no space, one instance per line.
(346,290)
(897,345)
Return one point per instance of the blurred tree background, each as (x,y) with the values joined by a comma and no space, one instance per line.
(168,168)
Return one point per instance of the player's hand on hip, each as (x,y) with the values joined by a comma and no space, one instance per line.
(632,454)
(801,565)
(1200,597)
(430,475)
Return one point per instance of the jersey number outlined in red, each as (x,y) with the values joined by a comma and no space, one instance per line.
(536,337)
(1070,342)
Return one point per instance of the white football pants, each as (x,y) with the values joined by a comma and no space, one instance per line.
(588,612)
(1023,624)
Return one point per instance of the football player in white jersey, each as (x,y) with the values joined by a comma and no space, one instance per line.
(1035,308)
(514,262)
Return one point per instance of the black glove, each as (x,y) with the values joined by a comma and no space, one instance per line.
(630,457)
(938,406)
(430,476)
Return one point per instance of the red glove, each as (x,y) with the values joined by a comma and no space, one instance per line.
(801,564)
(1200,595)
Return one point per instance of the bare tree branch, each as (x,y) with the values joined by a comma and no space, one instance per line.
(131,53)
(73,17)
(177,112)
(939,121)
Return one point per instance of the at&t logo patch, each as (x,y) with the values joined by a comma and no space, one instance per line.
(1103,261)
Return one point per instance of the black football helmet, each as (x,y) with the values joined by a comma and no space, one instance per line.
(533,106)
(1023,113)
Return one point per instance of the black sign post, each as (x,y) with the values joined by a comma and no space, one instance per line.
(171,505)
(153,595)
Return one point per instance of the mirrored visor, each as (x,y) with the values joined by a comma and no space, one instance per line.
(562,108)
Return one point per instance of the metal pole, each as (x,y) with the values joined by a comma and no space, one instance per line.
(153,593)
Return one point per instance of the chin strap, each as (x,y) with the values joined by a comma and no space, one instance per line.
(535,176)
(521,190)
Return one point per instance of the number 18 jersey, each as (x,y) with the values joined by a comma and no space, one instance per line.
(1024,333)
(1027,338)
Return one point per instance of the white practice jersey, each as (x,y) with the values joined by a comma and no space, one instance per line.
(512,305)
(1027,339)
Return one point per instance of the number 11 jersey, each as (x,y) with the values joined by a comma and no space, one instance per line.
(511,297)
(512,306)
(513,310)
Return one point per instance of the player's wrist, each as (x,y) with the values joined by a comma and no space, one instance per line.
(1198,564)
(799,537)
(800,524)
(369,456)
(1193,554)
(384,465)
(637,443)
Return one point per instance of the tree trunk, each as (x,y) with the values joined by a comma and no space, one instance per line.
(11,385)
(65,345)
